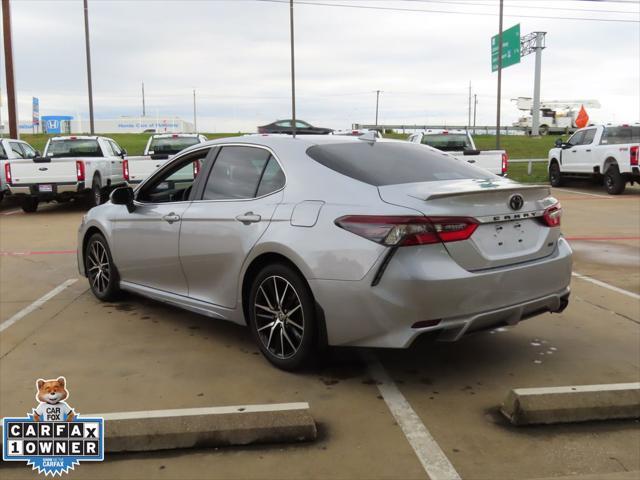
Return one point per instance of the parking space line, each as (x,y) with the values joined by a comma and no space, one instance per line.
(11,212)
(586,193)
(37,304)
(433,459)
(45,252)
(606,285)
(601,239)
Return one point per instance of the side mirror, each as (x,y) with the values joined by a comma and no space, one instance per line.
(559,142)
(38,154)
(123,196)
(123,153)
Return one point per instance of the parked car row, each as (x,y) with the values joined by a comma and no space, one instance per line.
(82,166)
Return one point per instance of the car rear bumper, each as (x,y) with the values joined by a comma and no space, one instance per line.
(424,284)
(56,189)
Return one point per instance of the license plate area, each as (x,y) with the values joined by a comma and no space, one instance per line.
(508,238)
(45,188)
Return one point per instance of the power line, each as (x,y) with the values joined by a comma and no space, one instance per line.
(418,10)
(535,7)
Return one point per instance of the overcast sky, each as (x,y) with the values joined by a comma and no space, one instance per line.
(235,53)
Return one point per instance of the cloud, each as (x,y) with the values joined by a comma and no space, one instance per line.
(235,53)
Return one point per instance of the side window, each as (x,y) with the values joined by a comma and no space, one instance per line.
(272,178)
(16,149)
(236,173)
(174,185)
(107,149)
(115,147)
(28,151)
(576,138)
(300,124)
(284,124)
(588,136)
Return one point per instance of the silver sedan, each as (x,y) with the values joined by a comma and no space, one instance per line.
(329,240)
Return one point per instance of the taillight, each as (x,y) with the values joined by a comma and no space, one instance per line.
(7,172)
(634,155)
(505,162)
(552,215)
(408,230)
(262,130)
(196,168)
(125,169)
(80,170)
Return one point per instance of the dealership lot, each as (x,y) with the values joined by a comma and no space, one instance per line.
(140,355)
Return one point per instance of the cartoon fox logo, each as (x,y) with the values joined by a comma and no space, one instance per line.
(52,407)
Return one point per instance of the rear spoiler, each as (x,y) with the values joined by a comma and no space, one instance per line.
(515,188)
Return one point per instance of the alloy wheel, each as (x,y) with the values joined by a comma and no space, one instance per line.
(98,267)
(279,317)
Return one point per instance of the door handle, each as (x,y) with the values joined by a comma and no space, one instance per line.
(471,161)
(172,217)
(588,149)
(248,218)
(574,151)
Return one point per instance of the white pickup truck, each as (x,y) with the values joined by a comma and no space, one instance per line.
(11,149)
(160,148)
(71,167)
(600,151)
(460,144)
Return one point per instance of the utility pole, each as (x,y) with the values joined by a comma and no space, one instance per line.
(195,118)
(377,104)
(469,109)
(11,86)
(535,114)
(293,71)
(144,110)
(88,50)
(475,106)
(499,75)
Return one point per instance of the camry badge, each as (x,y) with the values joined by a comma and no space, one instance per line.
(516,201)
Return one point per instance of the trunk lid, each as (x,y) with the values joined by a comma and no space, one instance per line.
(504,236)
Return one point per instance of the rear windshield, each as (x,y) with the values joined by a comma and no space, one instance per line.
(74,148)
(618,135)
(393,163)
(447,142)
(171,145)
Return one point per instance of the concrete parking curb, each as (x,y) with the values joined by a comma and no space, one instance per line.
(207,427)
(525,406)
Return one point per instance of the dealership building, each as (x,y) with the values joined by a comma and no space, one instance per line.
(67,124)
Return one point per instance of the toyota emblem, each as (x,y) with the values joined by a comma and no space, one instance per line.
(516,201)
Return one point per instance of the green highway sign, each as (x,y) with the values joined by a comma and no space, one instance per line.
(510,48)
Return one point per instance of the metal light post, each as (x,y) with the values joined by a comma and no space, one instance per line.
(469,108)
(144,110)
(88,50)
(499,75)
(377,104)
(293,71)
(535,115)
(11,87)
(195,118)
(475,107)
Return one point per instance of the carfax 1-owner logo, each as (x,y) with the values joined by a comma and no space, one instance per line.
(53,439)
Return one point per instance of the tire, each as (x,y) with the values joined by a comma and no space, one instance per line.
(96,192)
(614,183)
(30,204)
(555,175)
(284,330)
(543,130)
(101,272)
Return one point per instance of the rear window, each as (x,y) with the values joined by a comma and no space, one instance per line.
(3,154)
(171,145)
(393,163)
(618,135)
(74,148)
(447,142)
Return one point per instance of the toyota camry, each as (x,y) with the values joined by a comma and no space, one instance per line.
(330,240)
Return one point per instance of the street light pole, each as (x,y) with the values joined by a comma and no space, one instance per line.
(377,104)
(144,110)
(11,87)
(469,108)
(195,118)
(499,75)
(535,117)
(293,71)
(88,50)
